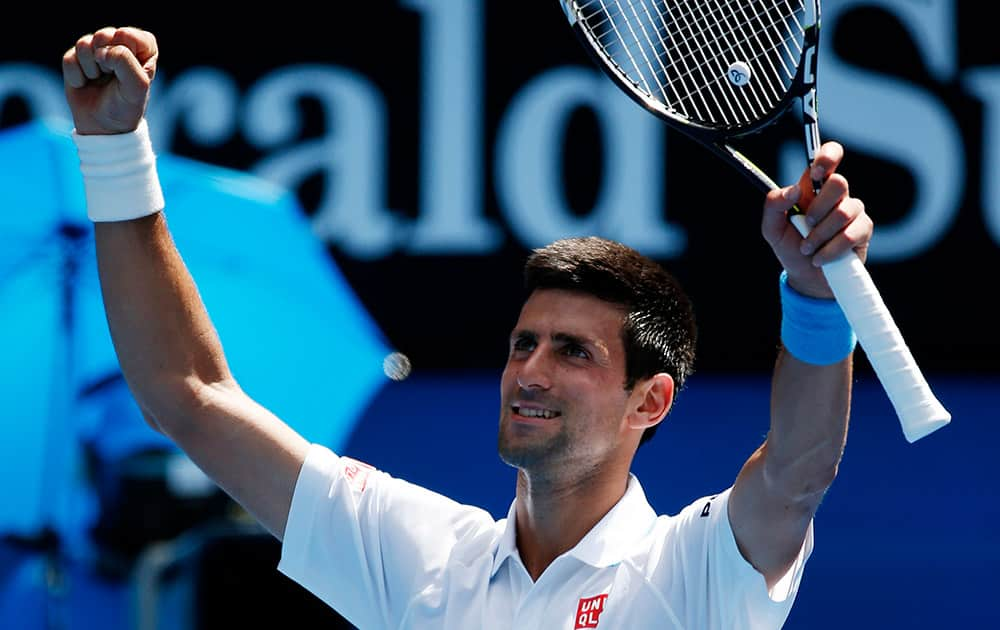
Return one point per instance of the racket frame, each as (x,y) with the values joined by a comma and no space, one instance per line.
(919,412)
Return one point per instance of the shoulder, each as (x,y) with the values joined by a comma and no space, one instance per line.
(677,540)
(341,486)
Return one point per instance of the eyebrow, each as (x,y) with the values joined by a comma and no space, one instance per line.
(573,339)
(523,334)
(560,337)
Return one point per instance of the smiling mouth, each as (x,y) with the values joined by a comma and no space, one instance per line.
(541,414)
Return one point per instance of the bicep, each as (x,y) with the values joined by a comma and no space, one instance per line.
(769,528)
(781,485)
(245,449)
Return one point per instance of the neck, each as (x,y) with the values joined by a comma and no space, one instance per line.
(554,515)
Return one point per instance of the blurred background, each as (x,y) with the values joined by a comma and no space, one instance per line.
(369,179)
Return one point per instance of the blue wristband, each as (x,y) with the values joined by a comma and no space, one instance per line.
(814,330)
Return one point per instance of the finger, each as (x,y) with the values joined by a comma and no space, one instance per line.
(856,236)
(142,44)
(133,82)
(835,189)
(85,57)
(860,232)
(103,37)
(833,223)
(72,72)
(776,206)
(828,158)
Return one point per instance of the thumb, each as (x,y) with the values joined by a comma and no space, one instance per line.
(776,206)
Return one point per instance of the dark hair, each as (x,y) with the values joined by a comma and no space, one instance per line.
(659,333)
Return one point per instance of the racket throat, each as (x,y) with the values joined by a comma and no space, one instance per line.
(810,106)
(811,127)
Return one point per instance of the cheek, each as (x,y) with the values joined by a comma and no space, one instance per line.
(608,399)
(507,380)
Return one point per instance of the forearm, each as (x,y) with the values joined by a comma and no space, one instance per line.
(782,484)
(166,344)
(173,361)
(810,398)
(810,407)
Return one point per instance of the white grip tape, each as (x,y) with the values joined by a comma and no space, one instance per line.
(919,412)
(119,175)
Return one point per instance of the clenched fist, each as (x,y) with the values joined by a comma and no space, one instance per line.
(107,76)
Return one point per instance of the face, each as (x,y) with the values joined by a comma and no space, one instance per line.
(563,394)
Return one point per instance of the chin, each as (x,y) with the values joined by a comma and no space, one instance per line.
(526,453)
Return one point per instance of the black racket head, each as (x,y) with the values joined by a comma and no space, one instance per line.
(724,68)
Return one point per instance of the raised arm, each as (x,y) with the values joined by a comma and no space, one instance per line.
(167,346)
(781,485)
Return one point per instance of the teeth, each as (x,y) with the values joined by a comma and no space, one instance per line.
(536,413)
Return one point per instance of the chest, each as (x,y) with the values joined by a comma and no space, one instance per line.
(568,596)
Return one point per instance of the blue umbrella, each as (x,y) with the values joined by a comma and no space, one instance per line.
(297,338)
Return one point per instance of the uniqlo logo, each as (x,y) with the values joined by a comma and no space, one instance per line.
(356,473)
(588,611)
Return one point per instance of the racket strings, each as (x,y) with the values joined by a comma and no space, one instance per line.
(722,27)
(684,59)
(682,38)
(715,48)
(705,66)
(752,50)
(753,104)
(680,52)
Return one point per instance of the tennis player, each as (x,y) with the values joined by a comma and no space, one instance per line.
(603,343)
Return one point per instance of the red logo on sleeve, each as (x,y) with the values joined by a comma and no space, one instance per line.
(588,611)
(356,473)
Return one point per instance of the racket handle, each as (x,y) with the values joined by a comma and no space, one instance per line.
(918,410)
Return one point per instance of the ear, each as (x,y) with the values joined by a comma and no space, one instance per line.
(651,400)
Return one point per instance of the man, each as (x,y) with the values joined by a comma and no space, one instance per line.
(603,342)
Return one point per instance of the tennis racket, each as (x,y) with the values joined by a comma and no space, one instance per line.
(717,70)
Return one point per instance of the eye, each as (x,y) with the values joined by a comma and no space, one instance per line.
(575,350)
(522,344)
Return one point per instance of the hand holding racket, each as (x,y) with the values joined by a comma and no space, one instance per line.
(718,70)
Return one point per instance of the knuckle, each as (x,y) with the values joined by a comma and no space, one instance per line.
(838,181)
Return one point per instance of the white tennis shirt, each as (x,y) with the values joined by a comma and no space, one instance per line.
(385,553)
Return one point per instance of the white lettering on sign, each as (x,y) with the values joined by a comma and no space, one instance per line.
(985,84)
(528,176)
(897,121)
(873,112)
(39,88)
(452,217)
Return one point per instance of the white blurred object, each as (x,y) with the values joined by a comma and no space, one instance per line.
(185,479)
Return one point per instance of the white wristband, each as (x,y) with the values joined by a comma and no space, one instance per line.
(119,175)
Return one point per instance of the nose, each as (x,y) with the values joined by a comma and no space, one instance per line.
(535,372)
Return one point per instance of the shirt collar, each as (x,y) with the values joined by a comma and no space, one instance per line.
(508,539)
(607,542)
(630,519)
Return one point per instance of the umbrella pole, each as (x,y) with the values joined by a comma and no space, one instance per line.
(72,238)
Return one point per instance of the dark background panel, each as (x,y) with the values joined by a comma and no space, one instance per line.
(905,538)
(427,301)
